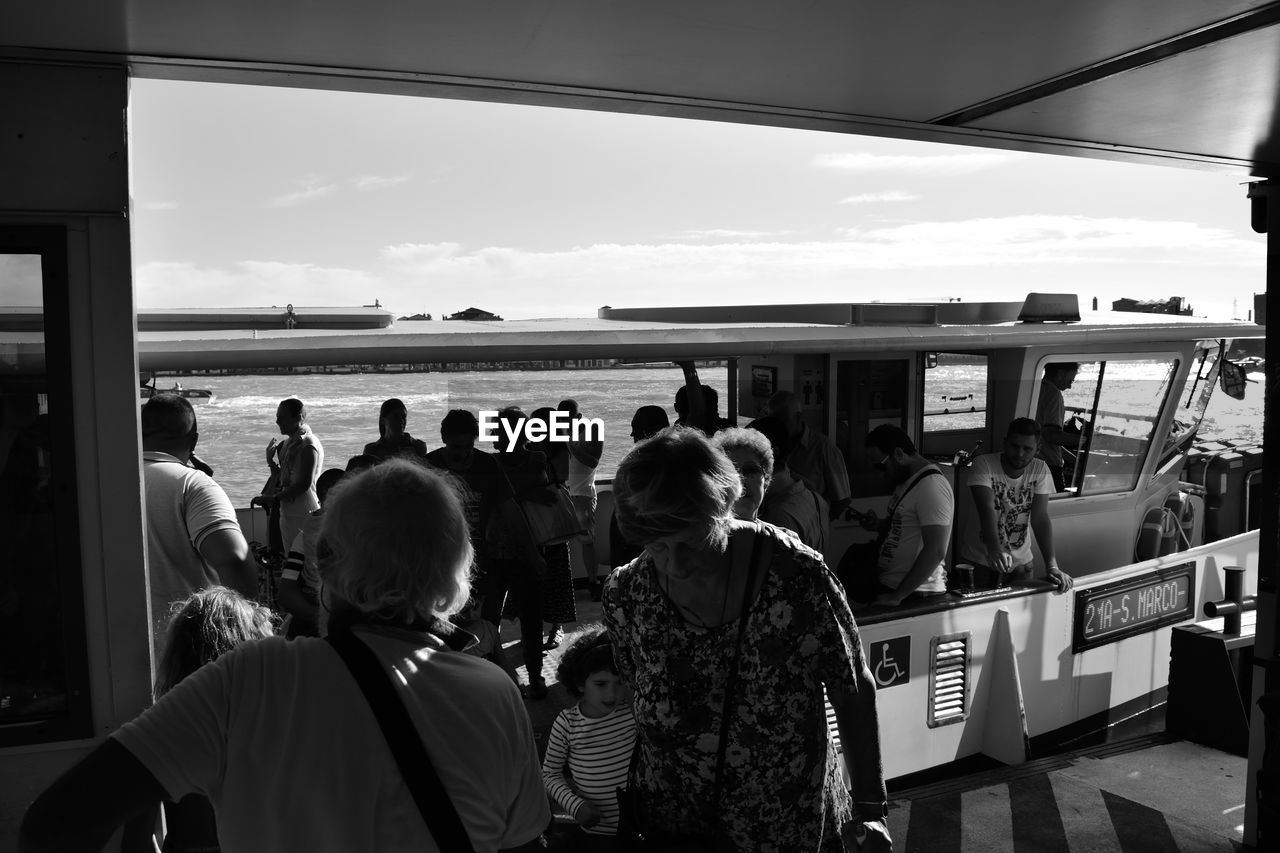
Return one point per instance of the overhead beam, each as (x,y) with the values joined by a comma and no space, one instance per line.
(1238,25)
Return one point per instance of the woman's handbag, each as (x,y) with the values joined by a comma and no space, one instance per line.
(553,523)
(637,834)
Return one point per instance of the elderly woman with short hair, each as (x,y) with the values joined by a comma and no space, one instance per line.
(729,631)
(281,738)
(752,457)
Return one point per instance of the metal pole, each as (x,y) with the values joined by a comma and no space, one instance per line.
(1260,830)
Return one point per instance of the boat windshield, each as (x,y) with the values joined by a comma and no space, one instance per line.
(1113,408)
(1201,377)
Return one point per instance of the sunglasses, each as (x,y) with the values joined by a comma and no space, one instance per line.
(881,466)
(750,472)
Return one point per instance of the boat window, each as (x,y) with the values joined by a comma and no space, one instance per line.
(1201,375)
(43,677)
(1111,411)
(954,415)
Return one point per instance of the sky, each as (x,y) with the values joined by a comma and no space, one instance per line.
(253,196)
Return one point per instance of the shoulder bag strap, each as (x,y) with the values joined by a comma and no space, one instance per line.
(731,683)
(405,743)
(884,534)
(927,472)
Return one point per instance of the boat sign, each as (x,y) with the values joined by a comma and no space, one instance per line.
(1108,613)
(891,661)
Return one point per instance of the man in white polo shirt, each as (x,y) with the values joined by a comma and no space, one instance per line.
(193,539)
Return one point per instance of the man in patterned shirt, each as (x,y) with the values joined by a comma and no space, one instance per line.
(1011,493)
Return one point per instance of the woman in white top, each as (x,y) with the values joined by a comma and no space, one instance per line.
(280,738)
(301,460)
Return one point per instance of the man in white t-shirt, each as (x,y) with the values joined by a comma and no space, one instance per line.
(1011,493)
(193,538)
(911,563)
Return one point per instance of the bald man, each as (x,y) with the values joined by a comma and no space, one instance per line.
(193,538)
(814,458)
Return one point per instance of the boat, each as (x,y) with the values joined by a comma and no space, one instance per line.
(1192,86)
(1253,364)
(1038,670)
(147,389)
(195,395)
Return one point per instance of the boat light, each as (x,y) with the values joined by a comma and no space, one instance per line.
(1050,308)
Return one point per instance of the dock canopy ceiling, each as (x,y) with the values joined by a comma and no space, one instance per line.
(1178,82)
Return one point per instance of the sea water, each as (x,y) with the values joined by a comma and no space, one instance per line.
(343,408)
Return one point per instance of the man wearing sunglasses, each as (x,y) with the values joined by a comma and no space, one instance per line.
(911,562)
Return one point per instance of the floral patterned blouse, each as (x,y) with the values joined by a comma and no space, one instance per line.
(782,787)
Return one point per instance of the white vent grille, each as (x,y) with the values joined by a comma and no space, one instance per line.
(948,679)
(833,728)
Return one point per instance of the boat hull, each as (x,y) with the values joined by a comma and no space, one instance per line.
(1023,681)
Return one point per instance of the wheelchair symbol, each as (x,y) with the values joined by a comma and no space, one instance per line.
(887,671)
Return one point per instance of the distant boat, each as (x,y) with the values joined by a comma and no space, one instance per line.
(195,395)
(1252,364)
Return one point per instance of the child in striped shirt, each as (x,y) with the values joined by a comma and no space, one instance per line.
(589,748)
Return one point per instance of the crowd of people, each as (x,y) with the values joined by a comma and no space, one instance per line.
(699,717)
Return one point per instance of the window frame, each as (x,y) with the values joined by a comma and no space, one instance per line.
(1176,360)
(75,720)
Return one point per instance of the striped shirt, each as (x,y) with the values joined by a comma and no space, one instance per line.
(587,760)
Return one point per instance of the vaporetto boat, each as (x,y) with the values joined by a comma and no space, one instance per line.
(1009,675)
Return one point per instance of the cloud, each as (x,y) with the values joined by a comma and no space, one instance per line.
(938,164)
(912,260)
(1042,238)
(311,189)
(726,234)
(251,284)
(875,198)
(159,205)
(23,282)
(982,258)
(365,183)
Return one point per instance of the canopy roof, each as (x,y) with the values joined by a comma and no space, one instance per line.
(1168,81)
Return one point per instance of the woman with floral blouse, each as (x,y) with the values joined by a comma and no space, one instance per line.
(699,671)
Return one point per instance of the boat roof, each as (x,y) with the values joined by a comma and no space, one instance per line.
(274,317)
(649,340)
(1171,82)
(249,338)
